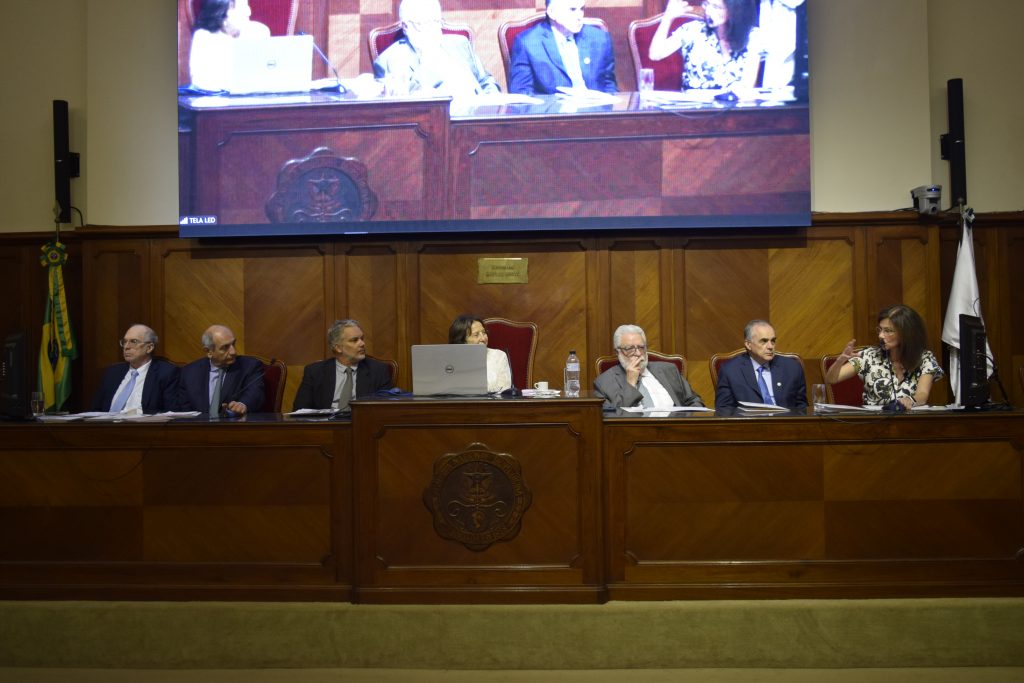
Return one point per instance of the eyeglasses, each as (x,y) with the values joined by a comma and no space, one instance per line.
(885,330)
(131,343)
(630,350)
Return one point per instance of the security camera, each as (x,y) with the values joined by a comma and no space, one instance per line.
(927,198)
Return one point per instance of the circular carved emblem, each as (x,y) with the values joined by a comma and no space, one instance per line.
(477,497)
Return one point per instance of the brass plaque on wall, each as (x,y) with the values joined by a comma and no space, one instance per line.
(502,271)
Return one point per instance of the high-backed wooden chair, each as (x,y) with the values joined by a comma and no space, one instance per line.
(510,30)
(275,376)
(849,392)
(668,72)
(382,37)
(519,341)
(605,362)
(719,359)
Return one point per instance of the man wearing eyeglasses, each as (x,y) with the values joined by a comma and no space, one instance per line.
(428,61)
(635,381)
(141,384)
(760,375)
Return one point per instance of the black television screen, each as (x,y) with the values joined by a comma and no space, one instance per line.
(15,378)
(396,154)
(974,389)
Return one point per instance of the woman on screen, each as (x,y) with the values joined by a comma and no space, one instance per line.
(899,369)
(468,329)
(219,23)
(722,51)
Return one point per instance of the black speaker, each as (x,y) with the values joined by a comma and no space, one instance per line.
(951,145)
(65,162)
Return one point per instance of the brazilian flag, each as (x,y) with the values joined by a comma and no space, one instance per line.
(57,348)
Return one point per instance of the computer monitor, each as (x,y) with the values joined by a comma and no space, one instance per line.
(15,381)
(974,390)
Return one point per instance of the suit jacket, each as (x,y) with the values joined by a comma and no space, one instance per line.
(618,393)
(317,388)
(243,382)
(738,382)
(401,61)
(159,393)
(536,66)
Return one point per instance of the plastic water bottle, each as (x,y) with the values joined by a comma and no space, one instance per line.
(572,375)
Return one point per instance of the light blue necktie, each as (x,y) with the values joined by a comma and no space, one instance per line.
(766,395)
(122,398)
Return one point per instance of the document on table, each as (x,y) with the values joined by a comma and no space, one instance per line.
(673,409)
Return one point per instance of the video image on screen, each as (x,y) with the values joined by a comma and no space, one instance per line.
(316,117)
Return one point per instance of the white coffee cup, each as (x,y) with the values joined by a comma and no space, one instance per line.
(540,386)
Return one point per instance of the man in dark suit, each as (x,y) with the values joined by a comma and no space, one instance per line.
(562,51)
(635,381)
(759,376)
(333,382)
(223,383)
(141,383)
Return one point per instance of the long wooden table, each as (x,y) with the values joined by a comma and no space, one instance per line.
(513,501)
(425,161)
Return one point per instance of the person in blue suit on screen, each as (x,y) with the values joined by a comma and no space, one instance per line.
(759,375)
(562,51)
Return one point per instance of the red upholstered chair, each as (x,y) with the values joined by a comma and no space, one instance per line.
(510,30)
(668,72)
(519,341)
(849,392)
(381,38)
(392,367)
(275,375)
(719,359)
(603,363)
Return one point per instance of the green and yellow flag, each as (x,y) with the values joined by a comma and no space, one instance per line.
(57,348)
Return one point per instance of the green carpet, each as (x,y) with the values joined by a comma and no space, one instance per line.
(984,632)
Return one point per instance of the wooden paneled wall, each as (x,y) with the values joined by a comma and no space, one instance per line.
(692,291)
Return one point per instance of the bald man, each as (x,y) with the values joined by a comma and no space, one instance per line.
(223,384)
(141,384)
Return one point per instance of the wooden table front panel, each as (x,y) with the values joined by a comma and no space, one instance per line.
(555,553)
(212,511)
(927,504)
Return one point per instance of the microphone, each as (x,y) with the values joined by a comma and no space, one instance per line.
(512,391)
(893,406)
(326,61)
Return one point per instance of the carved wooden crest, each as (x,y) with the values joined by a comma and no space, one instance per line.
(477,497)
(321,188)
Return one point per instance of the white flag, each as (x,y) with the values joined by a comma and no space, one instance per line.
(963,298)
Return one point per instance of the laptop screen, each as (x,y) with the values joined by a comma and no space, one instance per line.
(449,369)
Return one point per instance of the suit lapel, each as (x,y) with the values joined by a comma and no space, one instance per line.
(327,395)
(551,48)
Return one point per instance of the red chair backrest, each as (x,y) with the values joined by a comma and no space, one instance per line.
(392,367)
(275,374)
(668,72)
(519,341)
(717,360)
(382,37)
(849,392)
(604,363)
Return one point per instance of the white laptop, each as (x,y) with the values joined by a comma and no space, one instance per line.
(272,65)
(449,369)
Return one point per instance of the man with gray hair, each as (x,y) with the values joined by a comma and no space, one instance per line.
(349,374)
(428,61)
(224,383)
(635,381)
(141,384)
(760,375)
